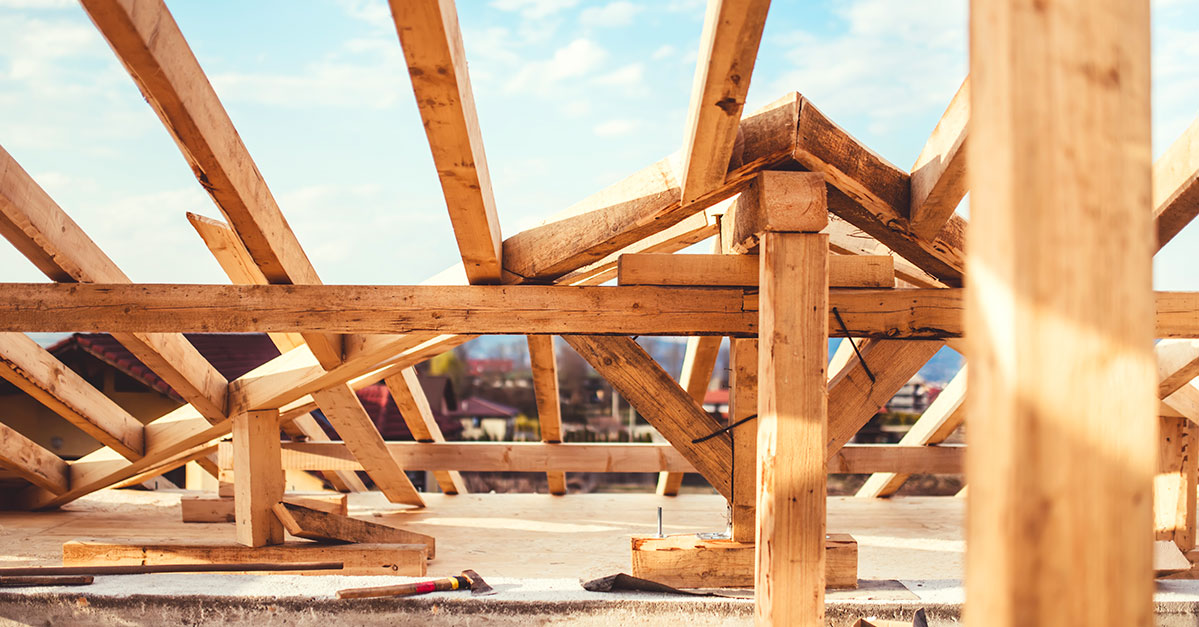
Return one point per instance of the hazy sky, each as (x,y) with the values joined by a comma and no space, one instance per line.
(572,95)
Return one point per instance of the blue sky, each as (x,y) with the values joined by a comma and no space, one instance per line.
(572,95)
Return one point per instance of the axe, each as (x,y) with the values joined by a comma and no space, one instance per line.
(468,579)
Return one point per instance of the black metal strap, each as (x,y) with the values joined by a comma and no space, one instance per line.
(724,429)
(837,315)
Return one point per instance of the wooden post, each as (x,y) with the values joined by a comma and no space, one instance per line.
(1060,337)
(1174,487)
(259,468)
(743,358)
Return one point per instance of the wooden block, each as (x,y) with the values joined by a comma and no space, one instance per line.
(217,509)
(686,561)
(312,524)
(793,202)
(359,559)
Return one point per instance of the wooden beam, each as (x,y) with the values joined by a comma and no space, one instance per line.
(362,438)
(42,376)
(699,360)
(853,398)
(877,271)
(30,461)
(940,419)
(1177,365)
(313,524)
(44,233)
(1059,338)
(150,45)
(743,403)
(544,364)
(874,195)
(432,43)
(210,508)
(728,49)
(1174,490)
(789,577)
(688,561)
(938,179)
(405,560)
(660,400)
(645,203)
(414,408)
(259,485)
(573,457)
(1176,186)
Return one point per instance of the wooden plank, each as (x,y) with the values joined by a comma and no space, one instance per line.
(1059,338)
(940,419)
(259,469)
(692,230)
(44,233)
(42,376)
(314,524)
(1174,491)
(30,461)
(644,203)
(660,400)
(853,398)
(775,201)
(1176,186)
(432,43)
(727,51)
(743,403)
(414,408)
(542,457)
(690,562)
(1177,364)
(362,439)
(544,365)
(793,402)
(844,271)
(874,195)
(938,179)
(699,360)
(208,508)
(358,559)
(150,45)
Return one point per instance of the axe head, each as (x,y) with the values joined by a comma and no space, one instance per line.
(478,587)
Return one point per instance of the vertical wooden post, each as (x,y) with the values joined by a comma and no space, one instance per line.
(792,429)
(1174,487)
(1060,336)
(259,470)
(743,359)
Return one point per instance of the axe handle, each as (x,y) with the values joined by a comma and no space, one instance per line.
(406,589)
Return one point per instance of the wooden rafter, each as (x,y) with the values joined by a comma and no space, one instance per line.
(728,49)
(544,364)
(149,43)
(938,179)
(1176,186)
(44,233)
(42,376)
(33,462)
(414,408)
(432,43)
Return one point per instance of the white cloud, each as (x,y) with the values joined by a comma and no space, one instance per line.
(534,9)
(36,4)
(619,13)
(375,12)
(613,128)
(630,76)
(664,51)
(574,60)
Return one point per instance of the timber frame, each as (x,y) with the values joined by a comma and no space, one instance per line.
(813,236)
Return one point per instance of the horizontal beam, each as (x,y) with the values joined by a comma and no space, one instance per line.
(542,457)
(742,270)
(486,309)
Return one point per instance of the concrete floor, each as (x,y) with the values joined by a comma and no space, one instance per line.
(533,548)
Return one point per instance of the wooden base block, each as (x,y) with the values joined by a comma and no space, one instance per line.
(219,509)
(687,561)
(358,559)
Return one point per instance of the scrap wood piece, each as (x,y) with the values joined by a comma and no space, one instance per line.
(356,559)
(30,581)
(313,524)
(208,508)
(688,561)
